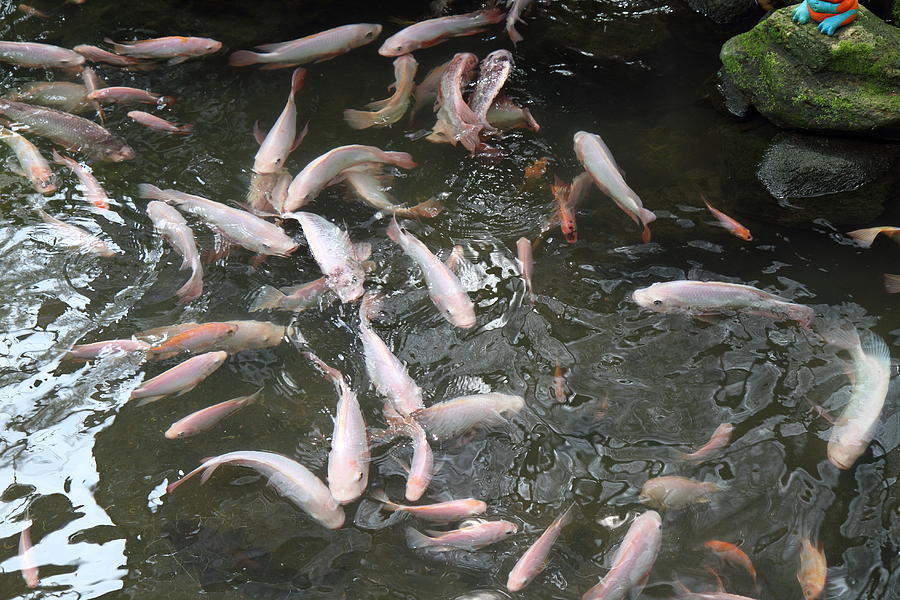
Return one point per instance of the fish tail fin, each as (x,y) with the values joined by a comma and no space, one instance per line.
(267,298)
(59,158)
(148,190)
(678,455)
(865,237)
(711,487)
(514,35)
(647,216)
(252,398)
(843,338)
(358,119)
(891,283)
(379,496)
(243,58)
(645,234)
(401,159)
(394,232)
(873,346)
(192,289)
(417,539)
(298,139)
(425,210)
(184,129)
(800,313)
(297,79)
(208,472)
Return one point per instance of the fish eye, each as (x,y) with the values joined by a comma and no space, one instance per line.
(657,302)
(359,476)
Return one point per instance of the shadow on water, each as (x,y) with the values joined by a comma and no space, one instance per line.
(638,388)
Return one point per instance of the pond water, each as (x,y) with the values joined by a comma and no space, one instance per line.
(91,467)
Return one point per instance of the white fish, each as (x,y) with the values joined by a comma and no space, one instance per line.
(336,255)
(534,560)
(470,538)
(515,16)
(239,226)
(93,191)
(427,91)
(370,188)
(28,566)
(312,48)
(442,512)
(597,160)
(174,229)
(444,287)
(180,379)
(422,466)
(526,263)
(452,417)
(391,110)
(289,478)
(34,166)
(282,137)
(632,562)
(385,370)
(871,376)
(456,123)
(348,461)
(70,235)
(427,33)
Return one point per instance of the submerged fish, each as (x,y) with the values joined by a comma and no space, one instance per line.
(369,187)
(348,460)
(427,91)
(336,255)
(444,287)
(598,161)
(207,418)
(99,55)
(61,95)
(632,562)
(313,48)
(34,165)
(93,191)
(289,478)
(33,54)
(434,31)
(294,299)
(282,137)
(174,229)
(158,123)
(324,170)
(28,566)
(391,110)
(866,237)
(442,512)
(733,227)
(718,440)
(871,377)
(422,466)
(813,570)
(504,114)
(176,48)
(452,417)
(238,226)
(676,492)
(98,349)
(71,235)
(471,537)
(180,379)
(704,298)
(494,72)
(534,560)
(732,554)
(69,131)
(252,335)
(515,16)
(526,264)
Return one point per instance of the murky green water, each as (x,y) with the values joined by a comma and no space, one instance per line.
(92,466)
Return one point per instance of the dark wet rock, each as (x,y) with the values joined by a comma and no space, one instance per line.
(800,78)
(726,11)
(794,179)
(734,101)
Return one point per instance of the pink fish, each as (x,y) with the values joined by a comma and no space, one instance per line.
(98,349)
(813,570)
(370,188)
(348,461)
(676,492)
(632,562)
(293,299)
(434,31)
(319,47)
(534,560)
(504,114)
(456,123)
(526,263)
(176,48)
(283,137)
(386,112)
(420,471)
(126,95)
(427,91)
(719,439)
(442,512)
(32,11)
(180,379)
(159,124)
(444,287)
(207,418)
(26,559)
(866,237)
(33,164)
(174,229)
(252,335)
(93,191)
(559,384)
(469,538)
(494,72)
(72,235)
(324,170)
(99,55)
(197,339)
(289,478)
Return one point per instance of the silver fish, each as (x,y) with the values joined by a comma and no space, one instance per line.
(174,229)
(633,561)
(179,379)
(289,478)
(282,137)
(207,418)
(34,166)
(239,226)
(175,48)
(324,170)
(534,560)
(334,252)
(312,48)
(444,287)
(597,160)
(348,461)
(32,54)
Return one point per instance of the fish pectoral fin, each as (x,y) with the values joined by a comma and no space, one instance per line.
(148,400)
(186,390)
(177,60)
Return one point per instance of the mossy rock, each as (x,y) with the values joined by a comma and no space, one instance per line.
(800,78)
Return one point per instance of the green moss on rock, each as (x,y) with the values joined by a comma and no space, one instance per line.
(797,77)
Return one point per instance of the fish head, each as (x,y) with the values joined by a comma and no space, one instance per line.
(348,283)
(350,483)
(457,309)
(843,455)
(372,31)
(652,299)
(395,47)
(120,153)
(212,46)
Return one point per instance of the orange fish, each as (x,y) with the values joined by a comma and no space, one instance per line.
(197,339)
(865,237)
(731,553)
(813,570)
(559,384)
(29,568)
(728,223)
(564,211)
(535,171)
